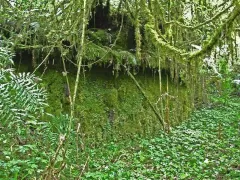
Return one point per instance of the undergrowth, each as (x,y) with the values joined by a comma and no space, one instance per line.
(207,146)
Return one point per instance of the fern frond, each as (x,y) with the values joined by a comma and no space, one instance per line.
(20,96)
(5,57)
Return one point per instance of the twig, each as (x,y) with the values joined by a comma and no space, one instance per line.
(50,167)
(83,168)
(43,61)
(144,94)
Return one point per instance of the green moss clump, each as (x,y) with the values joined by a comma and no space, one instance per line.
(111,98)
(54,84)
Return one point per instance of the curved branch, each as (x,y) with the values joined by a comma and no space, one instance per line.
(216,36)
(206,48)
(204,23)
(159,42)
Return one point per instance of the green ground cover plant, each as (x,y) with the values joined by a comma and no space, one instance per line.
(207,146)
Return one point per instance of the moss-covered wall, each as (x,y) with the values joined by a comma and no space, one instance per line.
(109,107)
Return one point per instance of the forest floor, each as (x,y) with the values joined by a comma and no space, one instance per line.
(207,146)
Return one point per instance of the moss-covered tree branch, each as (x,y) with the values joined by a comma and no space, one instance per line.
(80,56)
(203,23)
(153,35)
(158,42)
(217,34)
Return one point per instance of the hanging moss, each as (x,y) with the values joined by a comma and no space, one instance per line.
(97,54)
(217,34)
(138,38)
(168,49)
(108,107)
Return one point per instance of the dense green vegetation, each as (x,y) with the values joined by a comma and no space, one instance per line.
(114,107)
(207,146)
(119,89)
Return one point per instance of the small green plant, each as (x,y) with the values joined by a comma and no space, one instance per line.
(21,99)
(22,104)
